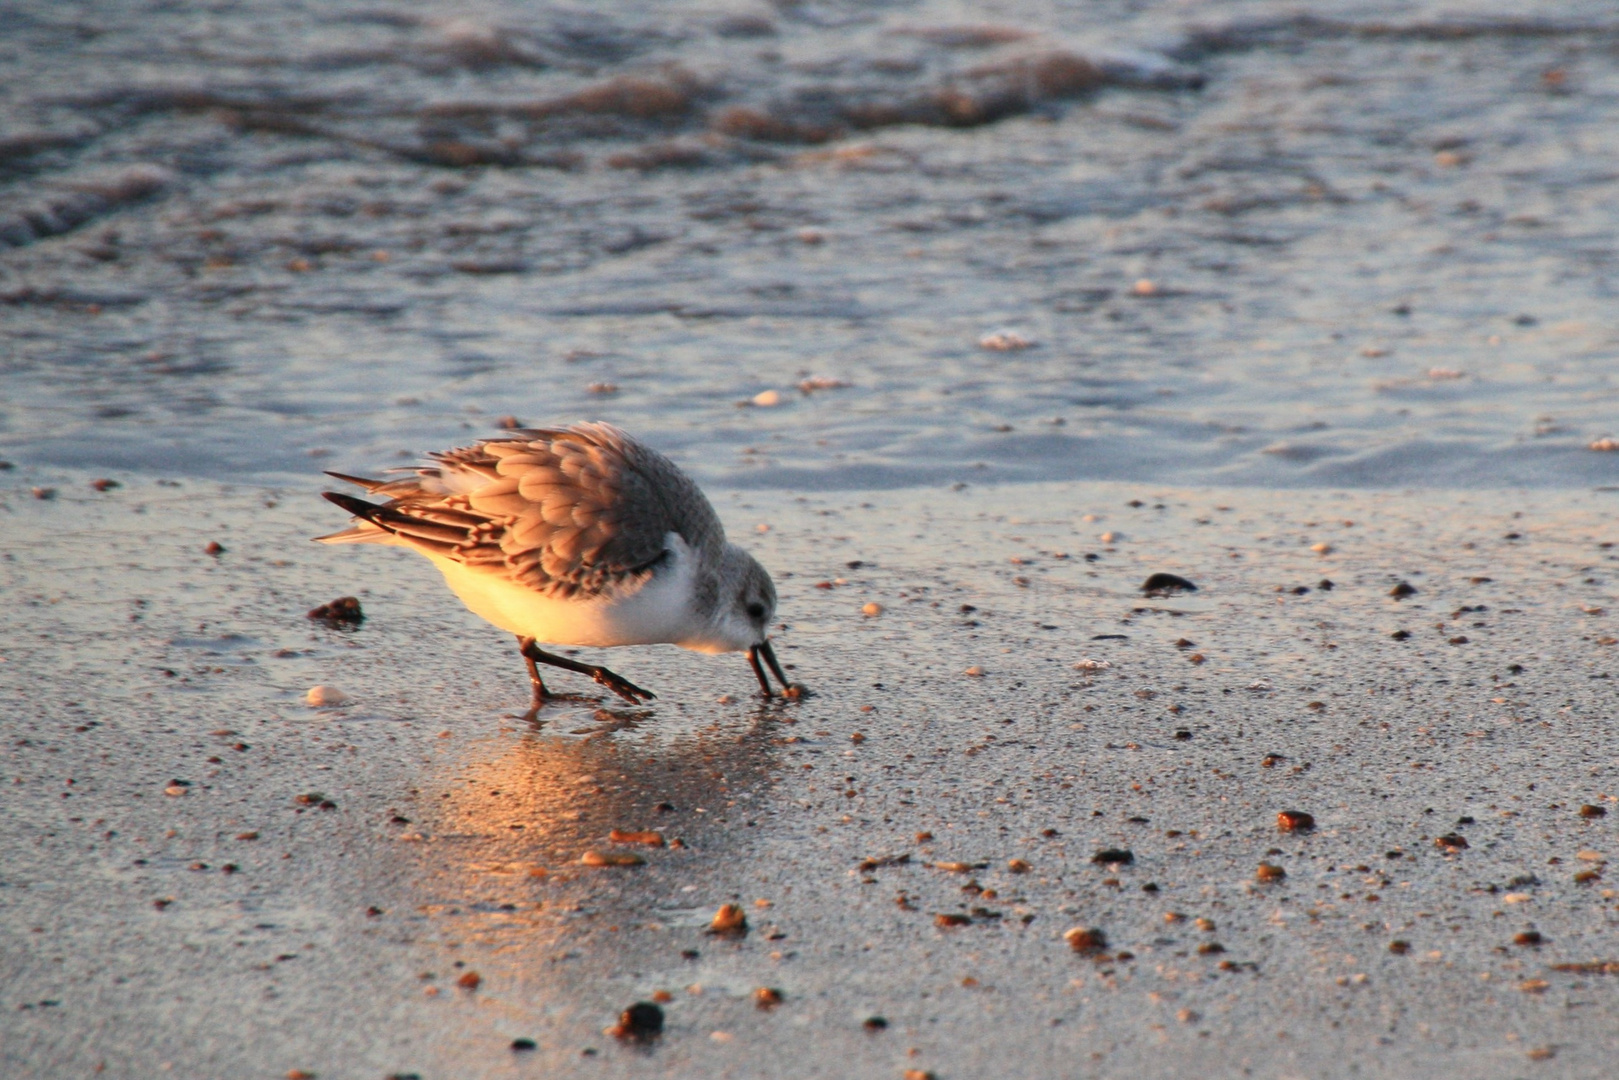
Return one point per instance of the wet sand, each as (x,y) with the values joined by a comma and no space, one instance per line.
(202,876)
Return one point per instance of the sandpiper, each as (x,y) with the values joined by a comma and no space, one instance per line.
(576,536)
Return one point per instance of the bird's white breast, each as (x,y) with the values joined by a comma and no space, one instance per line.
(654,611)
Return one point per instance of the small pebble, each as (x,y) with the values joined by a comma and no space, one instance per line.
(1295,821)
(644,836)
(874,1023)
(920,1074)
(611,858)
(1162,584)
(975,672)
(729,919)
(345,610)
(1403,590)
(1399,948)
(521,1045)
(1451,842)
(1018,866)
(1528,938)
(1606,444)
(1086,939)
(1268,872)
(1144,287)
(214,548)
(470,981)
(1205,925)
(43,492)
(640,1022)
(1321,549)
(1591,810)
(105,484)
(767,399)
(767,997)
(1004,341)
(323,697)
(1089,664)
(1113,857)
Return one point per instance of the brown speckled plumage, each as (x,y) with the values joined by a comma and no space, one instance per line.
(564,512)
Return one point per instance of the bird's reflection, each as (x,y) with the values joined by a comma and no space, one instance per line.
(505,834)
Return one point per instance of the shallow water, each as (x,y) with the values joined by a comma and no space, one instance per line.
(255,241)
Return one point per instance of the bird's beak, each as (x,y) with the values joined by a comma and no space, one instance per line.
(769,654)
(764,650)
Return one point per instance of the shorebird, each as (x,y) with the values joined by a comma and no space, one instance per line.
(576,536)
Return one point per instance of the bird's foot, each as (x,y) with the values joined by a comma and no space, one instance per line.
(621,686)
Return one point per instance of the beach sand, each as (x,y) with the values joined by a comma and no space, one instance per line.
(204,876)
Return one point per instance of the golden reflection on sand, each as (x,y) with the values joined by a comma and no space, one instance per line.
(503,858)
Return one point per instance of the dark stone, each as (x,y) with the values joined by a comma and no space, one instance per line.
(1162,584)
(640,1021)
(344,611)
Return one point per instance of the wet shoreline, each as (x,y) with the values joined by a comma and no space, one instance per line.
(1017,698)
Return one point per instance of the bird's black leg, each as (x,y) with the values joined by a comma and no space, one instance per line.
(523,646)
(759,671)
(616,683)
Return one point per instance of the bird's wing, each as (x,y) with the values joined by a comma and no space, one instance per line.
(561,511)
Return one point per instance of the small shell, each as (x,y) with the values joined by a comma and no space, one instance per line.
(325,697)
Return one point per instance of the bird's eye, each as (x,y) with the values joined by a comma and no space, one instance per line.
(756,610)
